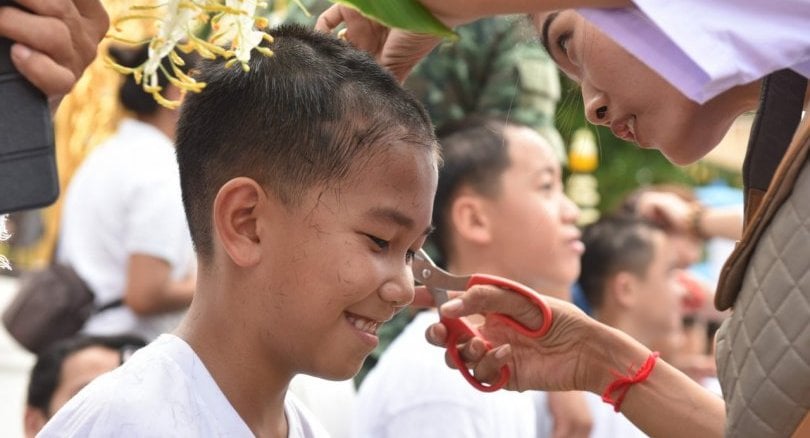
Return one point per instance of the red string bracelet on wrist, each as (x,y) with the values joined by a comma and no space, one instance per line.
(623,383)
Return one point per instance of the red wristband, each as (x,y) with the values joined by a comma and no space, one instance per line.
(623,383)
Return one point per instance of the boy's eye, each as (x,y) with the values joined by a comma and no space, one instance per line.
(383,244)
(546,186)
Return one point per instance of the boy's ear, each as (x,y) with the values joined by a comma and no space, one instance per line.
(624,287)
(469,217)
(236,214)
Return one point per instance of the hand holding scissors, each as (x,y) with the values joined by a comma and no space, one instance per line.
(438,282)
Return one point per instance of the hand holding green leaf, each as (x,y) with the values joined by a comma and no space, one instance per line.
(401,14)
(396,49)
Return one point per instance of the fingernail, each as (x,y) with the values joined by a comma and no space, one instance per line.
(452,306)
(20,52)
(475,350)
(503,351)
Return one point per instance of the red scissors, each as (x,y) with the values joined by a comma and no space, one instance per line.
(439,281)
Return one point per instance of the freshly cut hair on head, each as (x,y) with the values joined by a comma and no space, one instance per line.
(308,116)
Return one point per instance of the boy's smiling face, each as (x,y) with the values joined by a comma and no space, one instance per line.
(337,266)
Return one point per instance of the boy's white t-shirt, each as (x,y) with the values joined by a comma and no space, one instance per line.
(608,423)
(164,389)
(411,392)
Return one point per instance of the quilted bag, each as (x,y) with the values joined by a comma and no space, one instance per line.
(763,349)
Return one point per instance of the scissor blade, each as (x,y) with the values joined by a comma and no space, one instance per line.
(439,296)
(427,273)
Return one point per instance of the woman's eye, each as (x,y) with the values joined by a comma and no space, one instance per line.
(562,42)
(409,256)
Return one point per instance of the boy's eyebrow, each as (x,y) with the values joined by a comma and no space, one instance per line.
(546,25)
(547,169)
(396,216)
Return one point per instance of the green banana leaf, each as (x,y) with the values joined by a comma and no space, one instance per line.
(403,14)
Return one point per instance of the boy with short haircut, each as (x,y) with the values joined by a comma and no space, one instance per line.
(308,184)
(630,279)
(500,209)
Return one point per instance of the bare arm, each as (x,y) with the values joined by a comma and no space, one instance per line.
(400,51)
(678,215)
(580,353)
(668,403)
(150,290)
(455,12)
(722,222)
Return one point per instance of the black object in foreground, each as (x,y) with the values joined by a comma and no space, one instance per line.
(28,175)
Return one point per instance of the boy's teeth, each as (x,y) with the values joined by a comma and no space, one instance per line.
(363,324)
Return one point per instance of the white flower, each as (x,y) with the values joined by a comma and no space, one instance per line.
(240,28)
(233,22)
(180,21)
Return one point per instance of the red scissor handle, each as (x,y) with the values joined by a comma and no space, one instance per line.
(457,328)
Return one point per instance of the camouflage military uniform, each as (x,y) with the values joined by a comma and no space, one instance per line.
(497,67)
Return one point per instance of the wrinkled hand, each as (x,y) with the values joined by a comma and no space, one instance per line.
(571,415)
(667,209)
(397,50)
(557,361)
(55,41)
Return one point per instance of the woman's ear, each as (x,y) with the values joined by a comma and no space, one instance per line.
(238,214)
(469,217)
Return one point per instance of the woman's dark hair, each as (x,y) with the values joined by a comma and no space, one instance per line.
(131,94)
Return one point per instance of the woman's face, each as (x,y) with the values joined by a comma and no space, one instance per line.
(622,93)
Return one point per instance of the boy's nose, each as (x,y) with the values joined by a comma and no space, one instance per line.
(570,210)
(399,291)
